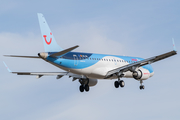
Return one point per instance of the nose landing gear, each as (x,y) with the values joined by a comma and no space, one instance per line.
(141,87)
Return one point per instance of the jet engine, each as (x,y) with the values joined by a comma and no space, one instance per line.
(141,74)
(92,82)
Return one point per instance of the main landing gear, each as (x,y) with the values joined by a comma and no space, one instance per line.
(84,85)
(141,87)
(119,83)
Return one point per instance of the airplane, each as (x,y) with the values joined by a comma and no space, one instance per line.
(89,67)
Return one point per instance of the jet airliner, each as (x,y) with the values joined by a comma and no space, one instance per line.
(89,67)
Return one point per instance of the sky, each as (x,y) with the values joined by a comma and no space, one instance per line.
(133,28)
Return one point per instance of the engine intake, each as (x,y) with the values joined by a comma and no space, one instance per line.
(141,74)
(137,74)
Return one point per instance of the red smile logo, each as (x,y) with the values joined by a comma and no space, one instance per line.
(46,39)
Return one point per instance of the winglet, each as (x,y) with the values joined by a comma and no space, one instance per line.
(7,67)
(174,47)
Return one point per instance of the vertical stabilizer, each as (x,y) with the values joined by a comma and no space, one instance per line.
(50,44)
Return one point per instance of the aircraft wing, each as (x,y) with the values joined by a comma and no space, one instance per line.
(40,74)
(58,74)
(133,66)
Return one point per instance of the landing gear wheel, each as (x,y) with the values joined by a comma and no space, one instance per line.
(81,88)
(121,83)
(116,84)
(86,88)
(141,87)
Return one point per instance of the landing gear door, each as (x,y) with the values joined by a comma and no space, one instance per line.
(75,60)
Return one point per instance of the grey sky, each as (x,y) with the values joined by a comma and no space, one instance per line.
(136,27)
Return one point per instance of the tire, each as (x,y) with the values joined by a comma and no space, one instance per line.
(116,84)
(121,83)
(86,88)
(141,87)
(81,88)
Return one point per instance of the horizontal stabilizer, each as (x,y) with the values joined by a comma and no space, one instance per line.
(64,51)
(22,56)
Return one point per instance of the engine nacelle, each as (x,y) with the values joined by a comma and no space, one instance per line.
(92,82)
(141,74)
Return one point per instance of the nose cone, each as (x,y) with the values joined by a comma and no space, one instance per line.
(43,55)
